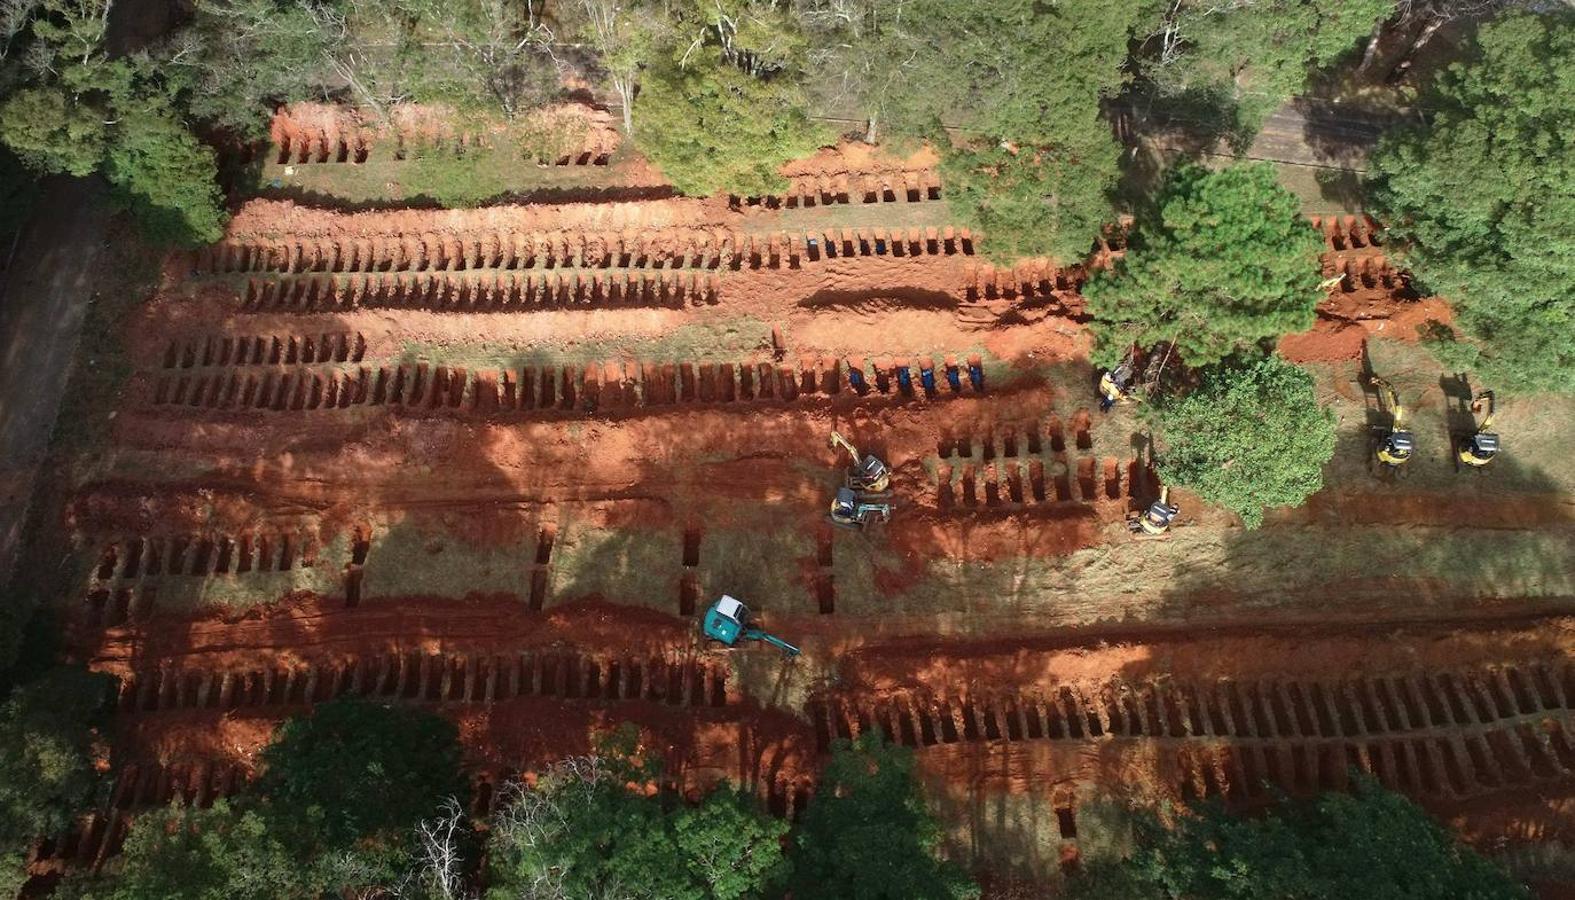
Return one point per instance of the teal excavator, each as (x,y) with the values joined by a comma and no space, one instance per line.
(727,621)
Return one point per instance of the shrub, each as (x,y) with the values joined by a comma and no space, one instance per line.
(362,769)
(166,178)
(1370,843)
(867,833)
(1033,201)
(52,132)
(46,760)
(1251,435)
(582,827)
(711,126)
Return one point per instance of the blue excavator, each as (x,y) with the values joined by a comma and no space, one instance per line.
(727,622)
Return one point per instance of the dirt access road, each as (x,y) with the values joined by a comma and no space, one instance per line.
(497,461)
(42,307)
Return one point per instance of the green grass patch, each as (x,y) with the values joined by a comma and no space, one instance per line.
(721,340)
(409,559)
(763,566)
(632,566)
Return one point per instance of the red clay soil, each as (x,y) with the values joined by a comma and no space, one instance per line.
(1470,722)
(307,133)
(700,341)
(1372,297)
(309,629)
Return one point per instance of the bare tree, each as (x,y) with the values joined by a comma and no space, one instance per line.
(15,17)
(534,817)
(439,851)
(440,859)
(510,53)
(859,49)
(1422,19)
(67,33)
(624,33)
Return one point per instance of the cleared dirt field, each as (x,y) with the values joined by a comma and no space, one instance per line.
(499,460)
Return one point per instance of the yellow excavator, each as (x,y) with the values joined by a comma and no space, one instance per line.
(868,474)
(1397,445)
(1155,521)
(864,498)
(1115,386)
(1478,448)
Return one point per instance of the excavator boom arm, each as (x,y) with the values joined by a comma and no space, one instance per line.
(1486,397)
(1392,400)
(758,635)
(837,440)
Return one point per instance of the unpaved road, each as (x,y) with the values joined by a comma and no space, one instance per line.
(45,300)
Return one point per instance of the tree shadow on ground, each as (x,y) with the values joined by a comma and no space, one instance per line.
(1426,540)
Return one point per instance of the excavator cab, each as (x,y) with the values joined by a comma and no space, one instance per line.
(1115,386)
(1395,449)
(1397,444)
(850,509)
(1478,448)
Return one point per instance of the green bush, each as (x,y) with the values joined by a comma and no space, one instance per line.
(335,811)
(183,853)
(46,760)
(1251,435)
(51,131)
(247,56)
(1250,58)
(1035,163)
(1482,199)
(1225,264)
(361,770)
(867,833)
(712,127)
(1371,843)
(1033,201)
(582,827)
(166,178)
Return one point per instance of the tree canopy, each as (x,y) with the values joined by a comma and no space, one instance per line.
(46,762)
(1249,57)
(1033,164)
(1251,435)
(1370,843)
(1482,199)
(336,808)
(1033,201)
(867,832)
(582,827)
(1224,263)
(185,853)
(361,769)
(712,126)
(76,111)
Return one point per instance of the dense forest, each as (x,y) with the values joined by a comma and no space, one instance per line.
(1020,99)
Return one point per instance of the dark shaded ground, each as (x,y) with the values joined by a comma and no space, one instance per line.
(46,297)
